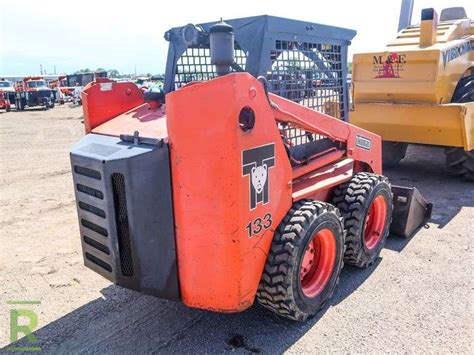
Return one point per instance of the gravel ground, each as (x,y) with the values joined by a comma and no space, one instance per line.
(418,297)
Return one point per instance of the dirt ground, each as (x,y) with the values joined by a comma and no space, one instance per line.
(418,297)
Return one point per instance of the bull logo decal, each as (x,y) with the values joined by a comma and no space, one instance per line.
(256,163)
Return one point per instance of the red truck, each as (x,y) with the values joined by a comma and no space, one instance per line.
(33,91)
(7,94)
(4,102)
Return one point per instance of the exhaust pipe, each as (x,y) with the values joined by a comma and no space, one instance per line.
(221,38)
(428,27)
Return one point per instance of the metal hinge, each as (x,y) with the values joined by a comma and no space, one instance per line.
(136,139)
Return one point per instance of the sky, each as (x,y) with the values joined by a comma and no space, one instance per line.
(125,35)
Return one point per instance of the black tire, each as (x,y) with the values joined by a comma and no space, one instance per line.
(464,91)
(8,108)
(393,153)
(458,161)
(354,199)
(280,288)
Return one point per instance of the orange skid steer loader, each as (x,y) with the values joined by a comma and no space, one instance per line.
(202,196)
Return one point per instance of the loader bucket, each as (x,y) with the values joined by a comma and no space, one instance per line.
(410,211)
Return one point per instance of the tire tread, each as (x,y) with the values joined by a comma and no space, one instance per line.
(350,198)
(275,291)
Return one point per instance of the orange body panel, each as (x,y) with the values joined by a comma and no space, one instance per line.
(219,265)
(104,99)
(149,122)
(317,184)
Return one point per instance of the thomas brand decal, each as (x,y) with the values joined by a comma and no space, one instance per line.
(255,163)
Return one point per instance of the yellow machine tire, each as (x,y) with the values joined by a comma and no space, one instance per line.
(392,153)
(458,161)
(461,163)
(464,91)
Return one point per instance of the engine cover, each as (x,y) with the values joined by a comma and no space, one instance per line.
(124,205)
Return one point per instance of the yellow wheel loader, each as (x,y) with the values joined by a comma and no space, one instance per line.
(420,88)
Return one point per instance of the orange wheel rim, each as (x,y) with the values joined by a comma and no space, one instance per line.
(375,222)
(318,263)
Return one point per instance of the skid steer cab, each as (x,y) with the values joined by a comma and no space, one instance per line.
(221,193)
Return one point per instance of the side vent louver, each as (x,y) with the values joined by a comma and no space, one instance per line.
(99,262)
(90,191)
(94,174)
(94,227)
(96,244)
(92,209)
(94,233)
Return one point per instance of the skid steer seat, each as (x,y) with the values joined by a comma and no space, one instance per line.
(304,152)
